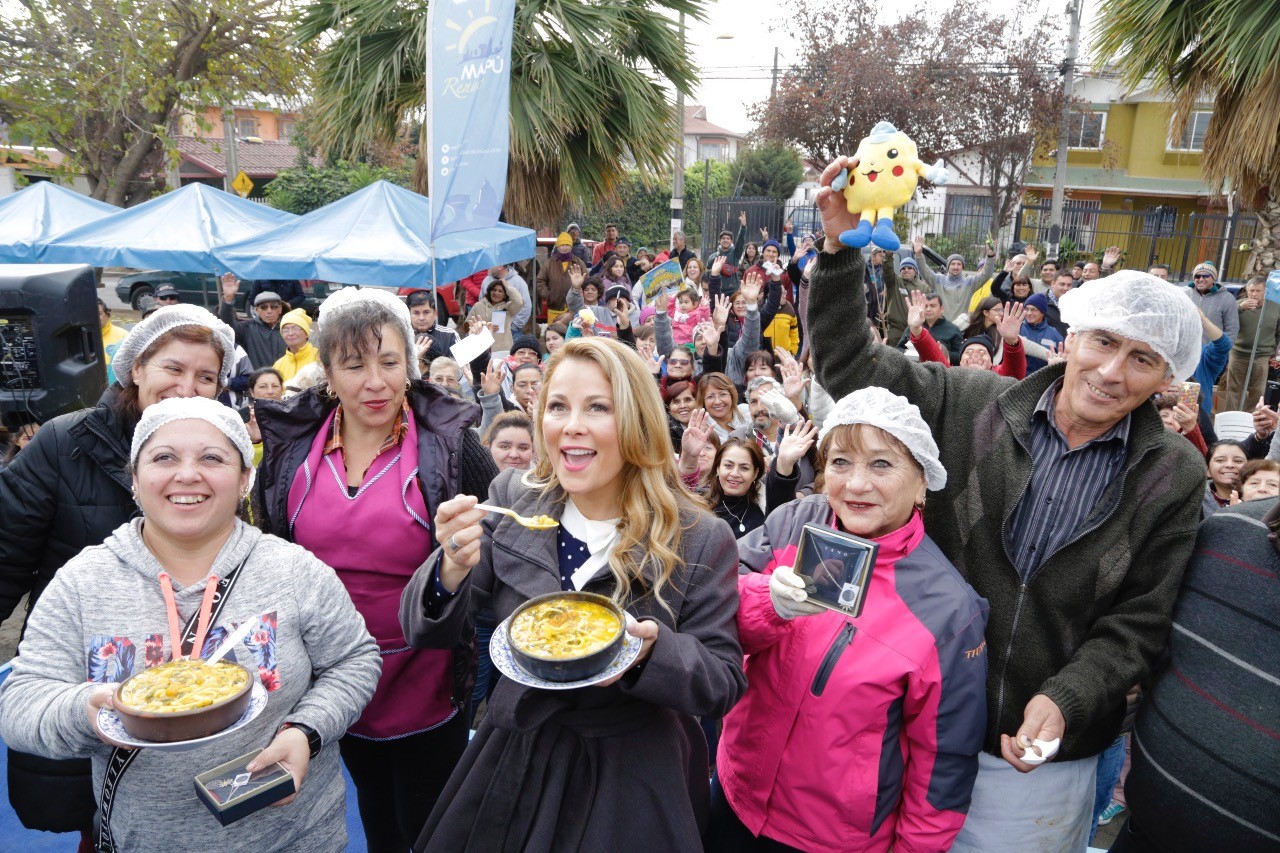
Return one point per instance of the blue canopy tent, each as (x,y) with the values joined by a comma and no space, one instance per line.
(39,212)
(377,236)
(177,231)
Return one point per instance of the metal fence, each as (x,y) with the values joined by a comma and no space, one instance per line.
(1158,235)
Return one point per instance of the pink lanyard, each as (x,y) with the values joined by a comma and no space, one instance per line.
(202,624)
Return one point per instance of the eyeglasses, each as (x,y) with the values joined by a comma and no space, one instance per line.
(1202,275)
(678,362)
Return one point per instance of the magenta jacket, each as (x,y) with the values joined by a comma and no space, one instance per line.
(857,734)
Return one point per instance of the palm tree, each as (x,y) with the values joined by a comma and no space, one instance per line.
(1229,49)
(587,97)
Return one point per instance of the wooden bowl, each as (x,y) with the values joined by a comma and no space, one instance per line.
(570,668)
(171,726)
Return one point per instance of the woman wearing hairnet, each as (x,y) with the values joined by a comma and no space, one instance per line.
(70,488)
(855,733)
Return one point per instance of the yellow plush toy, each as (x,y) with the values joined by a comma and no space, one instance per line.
(888,170)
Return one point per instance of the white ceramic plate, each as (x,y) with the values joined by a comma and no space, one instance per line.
(500,652)
(111,726)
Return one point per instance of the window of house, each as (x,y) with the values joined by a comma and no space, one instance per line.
(1085,129)
(246,127)
(718,151)
(1192,138)
(287,129)
(967,213)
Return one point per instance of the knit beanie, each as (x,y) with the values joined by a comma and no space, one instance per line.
(163,320)
(773,243)
(982,341)
(525,342)
(1206,266)
(909,262)
(300,318)
(564,239)
(646,312)
(951,258)
(1038,300)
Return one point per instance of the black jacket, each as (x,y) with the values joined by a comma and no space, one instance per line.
(261,342)
(67,490)
(451,461)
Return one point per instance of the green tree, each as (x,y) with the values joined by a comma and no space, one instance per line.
(307,188)
(1231,52)
(772,169)
(102,80)
(587,103)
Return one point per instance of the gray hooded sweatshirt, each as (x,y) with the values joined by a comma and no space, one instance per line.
(956,291)
(103,618)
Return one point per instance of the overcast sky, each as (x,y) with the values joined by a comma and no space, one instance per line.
(736,72)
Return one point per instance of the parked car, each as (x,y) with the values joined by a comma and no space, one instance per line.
(202,289)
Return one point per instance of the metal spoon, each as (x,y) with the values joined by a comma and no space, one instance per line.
(536,522)
(230,642)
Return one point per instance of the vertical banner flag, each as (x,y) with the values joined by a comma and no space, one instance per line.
(468,111)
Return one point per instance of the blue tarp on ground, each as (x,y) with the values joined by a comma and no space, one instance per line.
(379,236)
(177,231)
(39,212)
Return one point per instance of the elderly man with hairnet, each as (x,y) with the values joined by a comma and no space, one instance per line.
(1069,508)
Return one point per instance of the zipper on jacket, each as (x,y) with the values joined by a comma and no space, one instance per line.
(838,645)
(1008,653)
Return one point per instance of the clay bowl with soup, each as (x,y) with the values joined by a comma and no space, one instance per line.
(183,700)
(566,636)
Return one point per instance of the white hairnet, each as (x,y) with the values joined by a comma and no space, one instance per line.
(880,408)
(349,296)
(163,320)
(1140,307)
(225,418)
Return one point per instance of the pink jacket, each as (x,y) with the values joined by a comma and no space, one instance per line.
(682,325)
(857,734)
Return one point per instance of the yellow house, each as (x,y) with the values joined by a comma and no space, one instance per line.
(1132,183)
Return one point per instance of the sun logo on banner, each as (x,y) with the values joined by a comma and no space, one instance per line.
(477,59)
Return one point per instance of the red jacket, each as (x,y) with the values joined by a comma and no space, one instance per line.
(857,734)
(1013,365)
(471,284)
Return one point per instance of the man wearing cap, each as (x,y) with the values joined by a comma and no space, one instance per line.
(260,335)
(579,248)
(1214,300)
(730,249)
(295,329)
(514,281)
(553,276)
(893,316)
(609,243)
(955,288)
(1037,329)
(167,294)
(1069,507)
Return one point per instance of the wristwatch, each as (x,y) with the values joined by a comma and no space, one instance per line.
(313,736)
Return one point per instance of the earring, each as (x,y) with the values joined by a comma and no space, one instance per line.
(327,393)
(408,385)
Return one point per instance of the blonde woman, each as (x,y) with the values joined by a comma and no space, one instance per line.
(602,767)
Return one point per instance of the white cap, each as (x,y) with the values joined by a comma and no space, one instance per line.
(880,408)
(225,418)
(348,296)
(1140,307)
(163,320)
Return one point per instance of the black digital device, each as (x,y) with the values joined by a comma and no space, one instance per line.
(1272,395)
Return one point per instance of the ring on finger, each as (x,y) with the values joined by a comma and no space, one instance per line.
(453,544)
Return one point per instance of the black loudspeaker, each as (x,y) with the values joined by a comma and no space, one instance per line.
(51,358)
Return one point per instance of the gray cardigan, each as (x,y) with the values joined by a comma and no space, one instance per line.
(652,743)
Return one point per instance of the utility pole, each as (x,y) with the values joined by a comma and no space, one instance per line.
(229,146)
(677,182)
(1064,128)
(773,87)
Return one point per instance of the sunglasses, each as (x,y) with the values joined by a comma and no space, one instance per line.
(678,362)
(166,298)
(1202,275)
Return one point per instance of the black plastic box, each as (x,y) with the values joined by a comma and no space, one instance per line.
(231,792)
(836,568)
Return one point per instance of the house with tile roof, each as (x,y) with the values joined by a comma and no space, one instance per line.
(706,141)
(264,133)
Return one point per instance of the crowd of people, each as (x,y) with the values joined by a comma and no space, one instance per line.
(1071,600)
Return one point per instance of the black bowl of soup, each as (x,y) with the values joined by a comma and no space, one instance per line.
(566,636)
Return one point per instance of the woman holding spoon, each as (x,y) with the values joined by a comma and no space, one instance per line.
(174,584)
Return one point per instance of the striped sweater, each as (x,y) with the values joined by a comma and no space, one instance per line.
(1206,749)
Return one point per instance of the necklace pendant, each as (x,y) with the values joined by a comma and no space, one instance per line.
(742,528)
